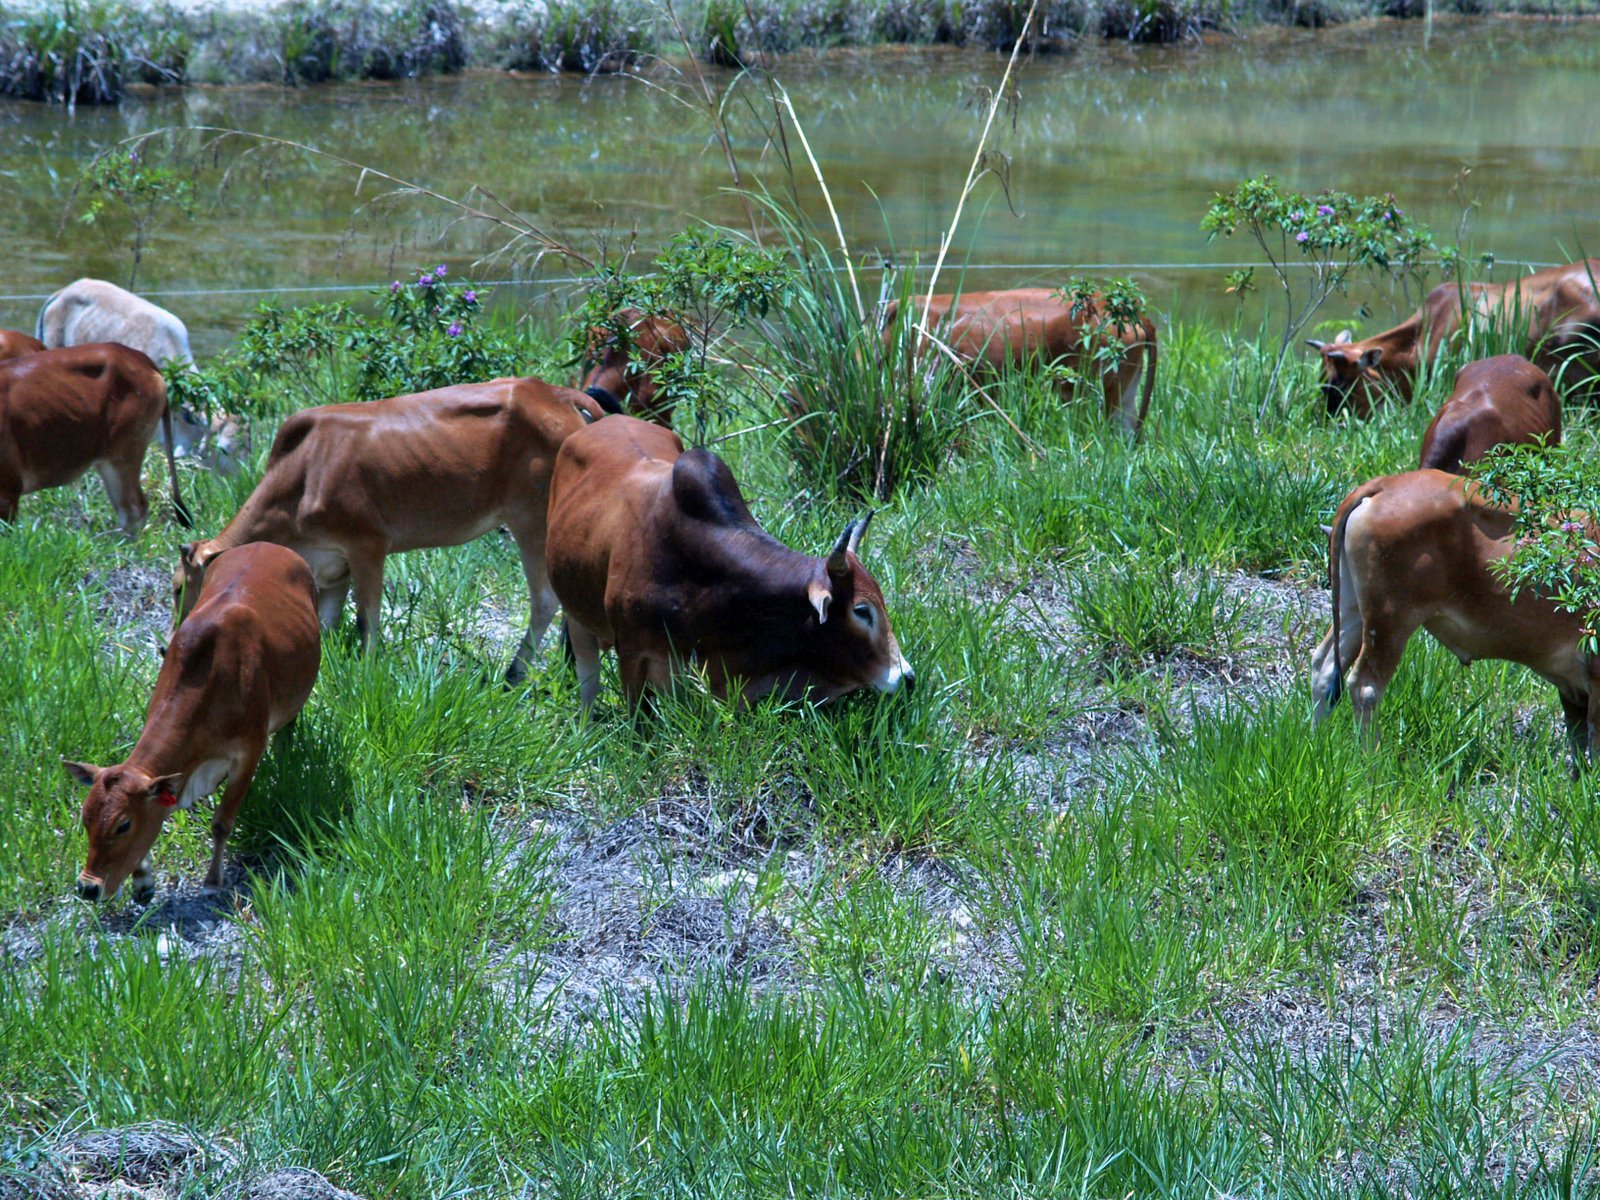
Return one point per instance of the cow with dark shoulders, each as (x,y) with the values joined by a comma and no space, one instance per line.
(65,411)
(239,668)
(347,485)
(653,551)
(1559,306)
(1499,401)
(1415,551)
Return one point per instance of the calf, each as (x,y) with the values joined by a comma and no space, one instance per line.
(653,551)
(615,366)
(1006,330)
(1559,308)
(1504,400)
(239,669)
(347,485)
(64,411)
(1414,550)
(14,344)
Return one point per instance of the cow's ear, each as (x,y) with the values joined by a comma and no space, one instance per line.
(186,553)
(164,790)
(1371,358)
(83,773)
(1319,347)
(820,593)
(1344,338)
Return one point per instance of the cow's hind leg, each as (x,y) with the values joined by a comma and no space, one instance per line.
(1383,642)
(240,773)
(126,495)
(366,579)
(586,657)
(542,602)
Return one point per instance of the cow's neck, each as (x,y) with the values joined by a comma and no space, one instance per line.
(259,519)
(765,602)
(165,746)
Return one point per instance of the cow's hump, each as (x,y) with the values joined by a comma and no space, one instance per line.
(705,489)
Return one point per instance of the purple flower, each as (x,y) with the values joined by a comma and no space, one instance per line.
(1297,216)
(425,281)
(1571,527)
(454,330)
(469,296)
(440,271)
(1324,210)
(1302,237)
(394,287)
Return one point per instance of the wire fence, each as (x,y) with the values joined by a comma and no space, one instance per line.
(552,282)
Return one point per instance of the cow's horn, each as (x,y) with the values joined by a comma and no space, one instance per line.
(1316,345)
(1326,529)
(839,556)
(860,529)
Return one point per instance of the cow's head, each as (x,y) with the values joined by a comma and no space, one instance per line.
(1349,373)
(122,816)
(605,359)
(220,443)
(854,647)
(187,580)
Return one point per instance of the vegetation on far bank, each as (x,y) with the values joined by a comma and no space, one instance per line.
(87,51)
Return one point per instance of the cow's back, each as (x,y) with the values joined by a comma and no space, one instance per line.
(93,310)
(1504,400)
(62,410)
(252,642)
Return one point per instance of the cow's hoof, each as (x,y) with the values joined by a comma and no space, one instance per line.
(144,895)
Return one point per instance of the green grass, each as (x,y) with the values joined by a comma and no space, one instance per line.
(1094,912)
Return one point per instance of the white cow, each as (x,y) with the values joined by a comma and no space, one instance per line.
(92,310)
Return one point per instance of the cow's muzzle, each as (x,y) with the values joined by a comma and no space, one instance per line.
(88,889)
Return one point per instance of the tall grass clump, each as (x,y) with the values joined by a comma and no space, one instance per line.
(84,52)
(587,36)
(872,409)
(333,39)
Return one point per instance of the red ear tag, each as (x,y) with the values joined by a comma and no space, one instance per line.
(166,799)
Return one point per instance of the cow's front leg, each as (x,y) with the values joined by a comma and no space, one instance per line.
(240,773)
(585,649)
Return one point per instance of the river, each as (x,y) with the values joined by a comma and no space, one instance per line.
(1115,151)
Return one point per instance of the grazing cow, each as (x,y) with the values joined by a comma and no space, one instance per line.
(1504,400)
(1559,306)
(14,344)
(615,367)
(1415,550)
(239,669)
(1003,330)
(92,310)
(347,485)
(64,411)
(653,551)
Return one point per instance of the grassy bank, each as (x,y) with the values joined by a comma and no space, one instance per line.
(1094,912)
(88,51)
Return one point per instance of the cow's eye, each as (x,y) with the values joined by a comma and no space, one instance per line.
(122,827)
(864,611)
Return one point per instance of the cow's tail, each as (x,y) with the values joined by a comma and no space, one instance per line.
(1336,536)
(179,510)
(1149,379)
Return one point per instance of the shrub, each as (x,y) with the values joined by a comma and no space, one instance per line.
(579,35)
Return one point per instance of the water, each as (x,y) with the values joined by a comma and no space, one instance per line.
(1115,152)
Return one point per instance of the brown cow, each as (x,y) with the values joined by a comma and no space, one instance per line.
(1415,550)
(238,670)
(64,411)
(614,367)
(653,551)
(1003,330)
(14,344)
(1559,306)
(1504,400)
(347,485)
